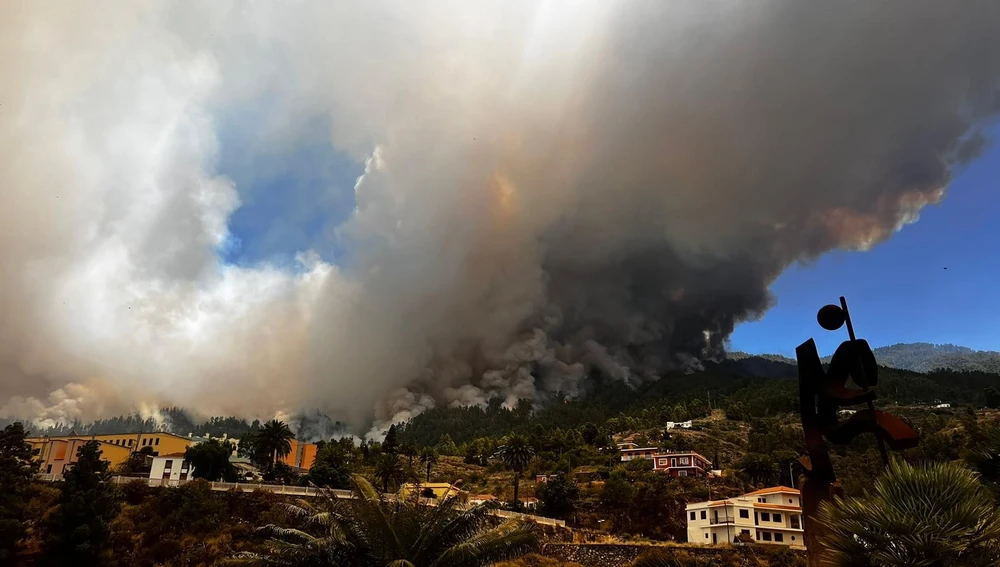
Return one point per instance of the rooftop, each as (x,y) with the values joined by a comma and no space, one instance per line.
(772,490)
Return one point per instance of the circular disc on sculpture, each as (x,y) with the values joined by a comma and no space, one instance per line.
(831,317)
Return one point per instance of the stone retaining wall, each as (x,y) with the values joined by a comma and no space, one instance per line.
(619,554)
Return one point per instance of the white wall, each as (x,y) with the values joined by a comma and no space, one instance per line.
(178,466)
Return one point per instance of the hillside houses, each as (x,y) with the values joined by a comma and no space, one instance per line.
(674,463)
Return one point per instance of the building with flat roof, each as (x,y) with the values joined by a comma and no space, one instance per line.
(440,490)
(158,441)
(56,455)
(771,515)
(171,467)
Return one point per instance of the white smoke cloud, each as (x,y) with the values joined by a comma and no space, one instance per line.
(550,189)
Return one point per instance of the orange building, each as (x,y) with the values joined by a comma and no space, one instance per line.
(57,454)
(302,456)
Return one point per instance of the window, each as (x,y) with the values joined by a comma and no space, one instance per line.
(762,500)
(48,470)
(157,442)
(36,451)
(765,517)
(779,537)
(744,513)
(745,532)
(663,462)
(706,535)
(789,500)
(793,538)
(693,516)
(767,536)
(682,473)
(777,517)
(715,539)
(703,515)
(130,442)
(169,465)
(795,521)
(684,460)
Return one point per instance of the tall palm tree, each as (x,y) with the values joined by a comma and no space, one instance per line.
(516,454)
(409,450)
(371,532)
(389,470)
(429,458)
(275,438)
(936,514)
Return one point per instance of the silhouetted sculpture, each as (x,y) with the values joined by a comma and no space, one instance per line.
(847,382)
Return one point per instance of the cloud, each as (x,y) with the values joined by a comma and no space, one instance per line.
(551,189)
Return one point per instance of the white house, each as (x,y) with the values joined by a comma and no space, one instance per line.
(171,467)
(772,515)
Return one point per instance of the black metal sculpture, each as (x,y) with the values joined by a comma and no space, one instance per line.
(847,382)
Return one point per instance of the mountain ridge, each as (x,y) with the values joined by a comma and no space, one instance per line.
(916,357)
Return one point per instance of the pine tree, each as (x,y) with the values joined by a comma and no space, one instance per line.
(391,444)
(80,529)
(15,478)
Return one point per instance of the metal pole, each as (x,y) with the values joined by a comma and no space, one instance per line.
(871,404)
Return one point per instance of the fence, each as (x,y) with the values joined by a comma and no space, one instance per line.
(306,491)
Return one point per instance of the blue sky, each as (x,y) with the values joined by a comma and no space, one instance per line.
(291,194)
(898,292)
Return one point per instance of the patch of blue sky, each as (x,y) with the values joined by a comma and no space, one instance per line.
(295,187)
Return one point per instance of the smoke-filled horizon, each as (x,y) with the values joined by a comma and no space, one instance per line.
(551,189)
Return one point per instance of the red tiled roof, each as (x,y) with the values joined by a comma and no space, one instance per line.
(772,490)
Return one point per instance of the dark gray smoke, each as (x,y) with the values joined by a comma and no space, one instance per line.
(551,189)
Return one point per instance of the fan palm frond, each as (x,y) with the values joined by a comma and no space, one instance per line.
(933,514)
(371,531)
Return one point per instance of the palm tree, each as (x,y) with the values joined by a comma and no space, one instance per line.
(275,438)
(429,458)
(931,514)
(409,450)
(389,470)
(516,454)
(371,532)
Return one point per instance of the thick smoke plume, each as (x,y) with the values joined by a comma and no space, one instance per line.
(551,189)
